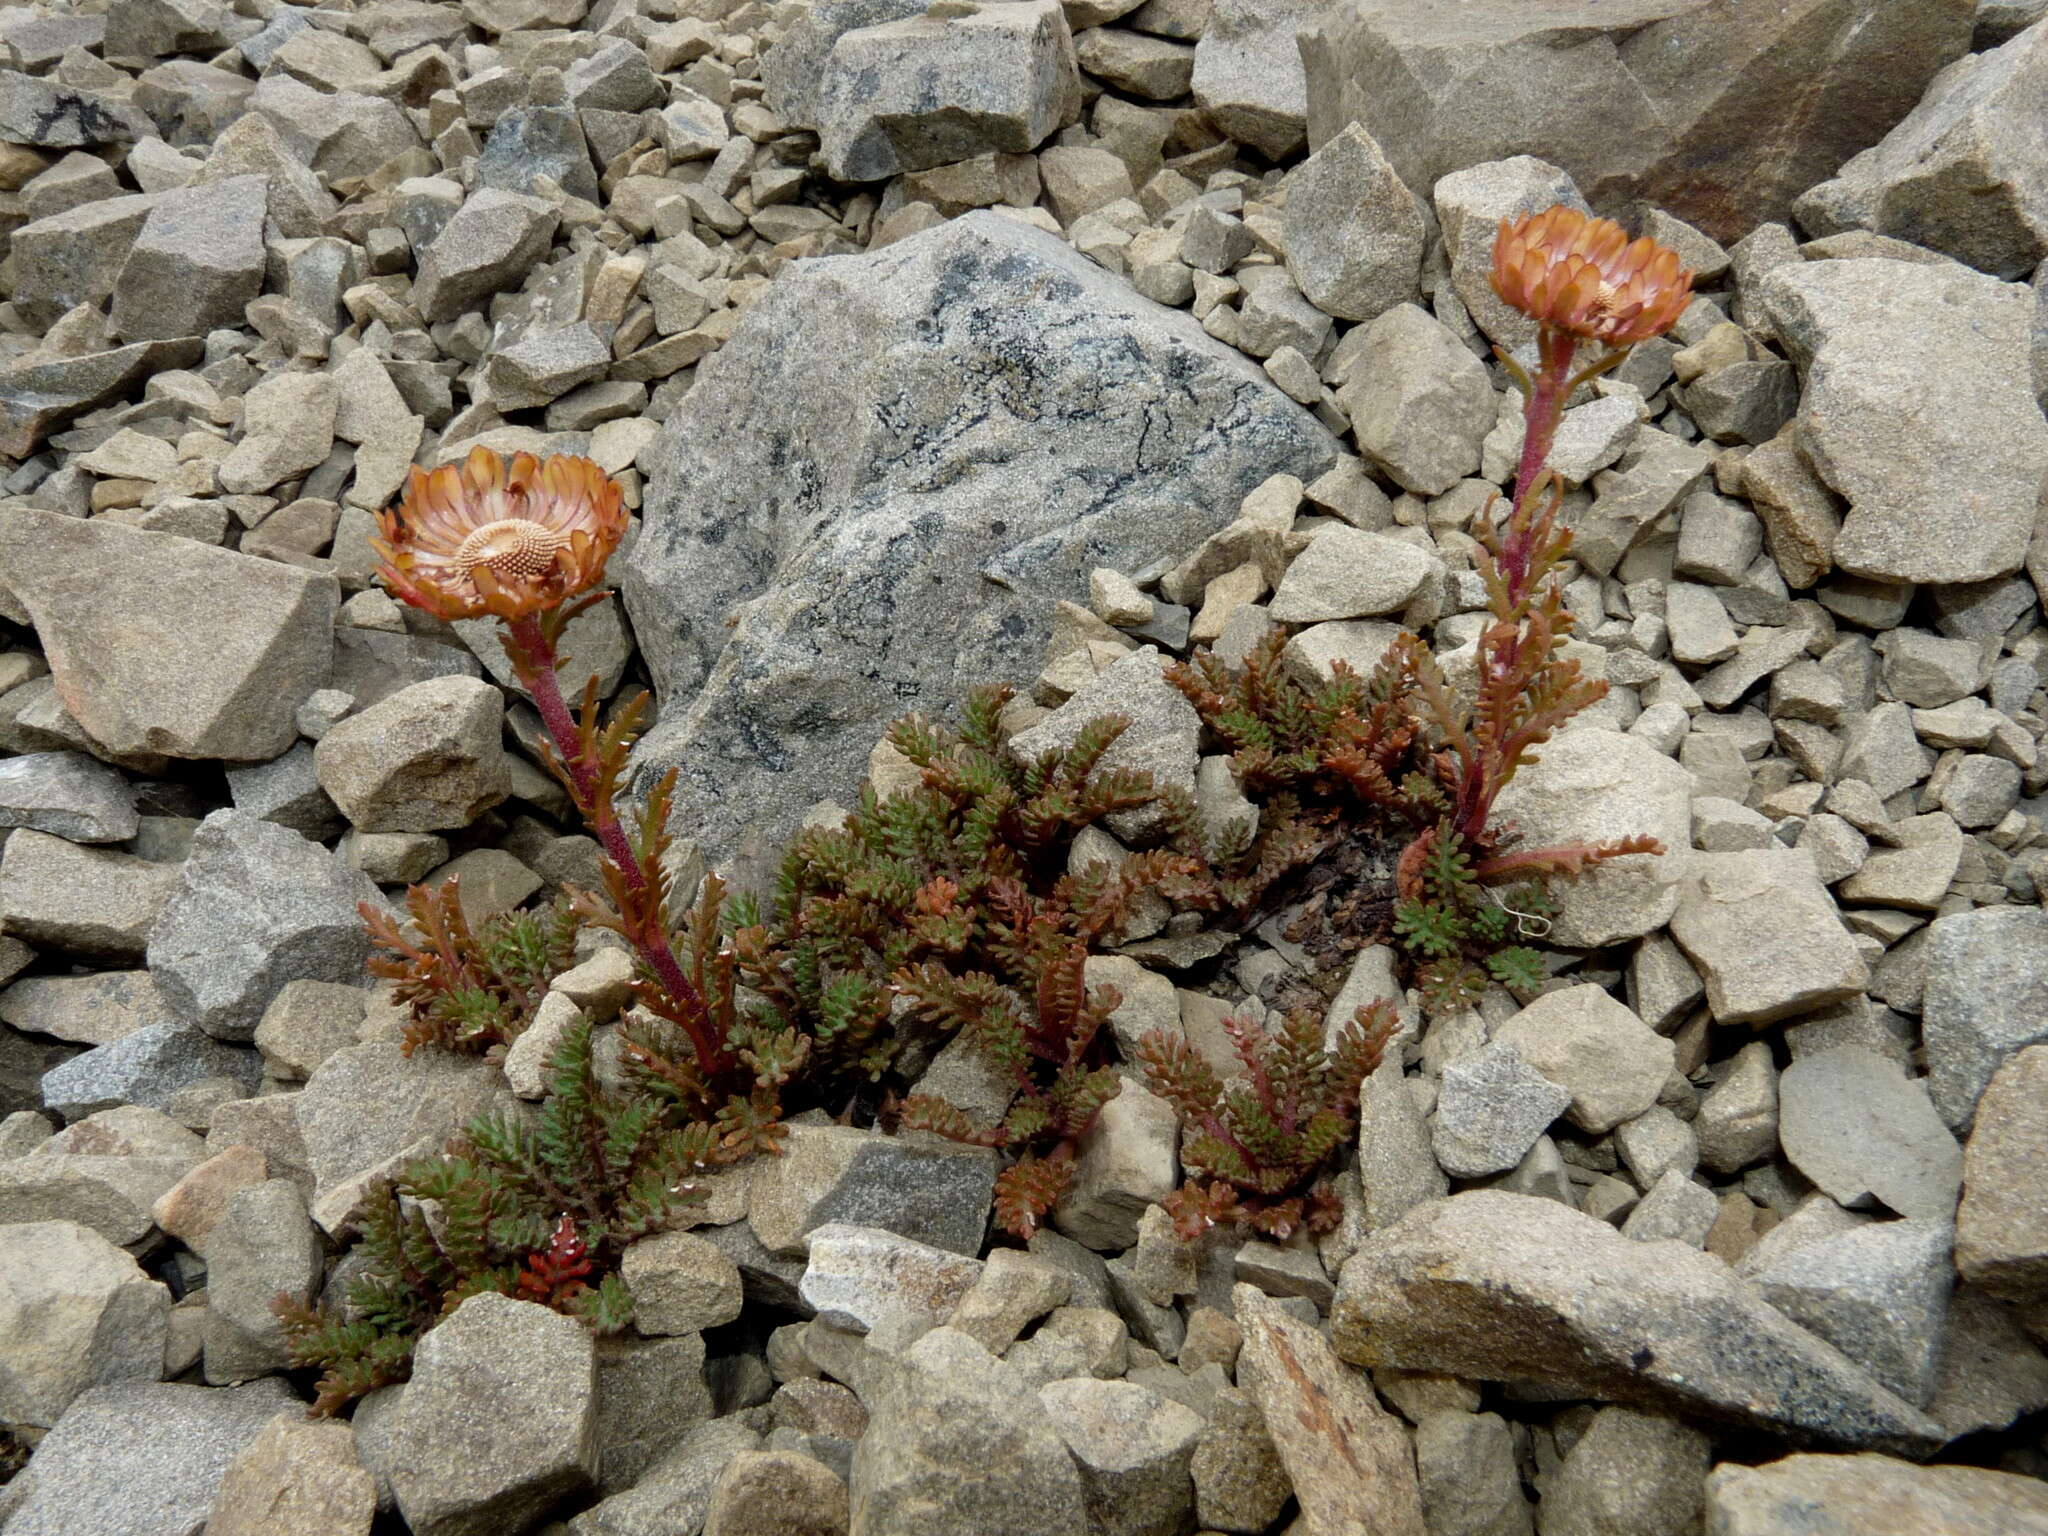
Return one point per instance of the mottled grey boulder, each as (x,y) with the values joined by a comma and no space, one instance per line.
(1986,997)
(885,478)
(927,90)
(256,906)
(1496,1287)
(1966,173)
(152,1066)
(498,1421)
(1919,409)
(139,1458)
(1721,113)
(1871,1495)
(68,794)
(160,643)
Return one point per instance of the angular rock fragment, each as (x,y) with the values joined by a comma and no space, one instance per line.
(1861,1129)
(493,240)
(1611,1064)
(908,95)
(257,906)
(1591,785)
(68,795)
(1869,1495)
(1879,1294)
(1347,1457)
(1354,234)
(163,644)
(75,1312)
(1420,404)
(1248,72)
(156,1449)
(1720,117)
(90,902)
(497,1421)
(1937,492)
(1962,174)
(1494,1286)
(957,1440)
(1765,935)
(2002,1224)
(196,263)
(428,757)
(1986,997)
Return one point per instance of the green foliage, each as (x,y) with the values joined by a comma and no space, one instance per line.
(959,881)
(1052,1044)
(468,989)
(539,1206)
(1259,1144)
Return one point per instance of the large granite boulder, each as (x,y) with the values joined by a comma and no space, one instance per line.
(880,486)
(1720,111)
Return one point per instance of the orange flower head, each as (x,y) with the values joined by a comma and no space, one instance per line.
(512,539)
(1585,277)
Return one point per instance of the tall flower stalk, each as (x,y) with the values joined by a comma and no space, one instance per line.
(527,542)
(1581,280)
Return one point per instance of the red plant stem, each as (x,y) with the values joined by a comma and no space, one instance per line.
(1540,416)
(641,931)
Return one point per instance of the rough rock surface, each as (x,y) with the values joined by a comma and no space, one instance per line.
(1941,469)
(938,438)
(1870,1495)
(1963,174)
(497,1421)
(1986,997)
(257,906)
(164,644)
(1492,1286)
(140,1458)
(1721,113)
(1591,785)
(958,1441)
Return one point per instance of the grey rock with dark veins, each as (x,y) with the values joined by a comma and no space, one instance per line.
(881,484)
